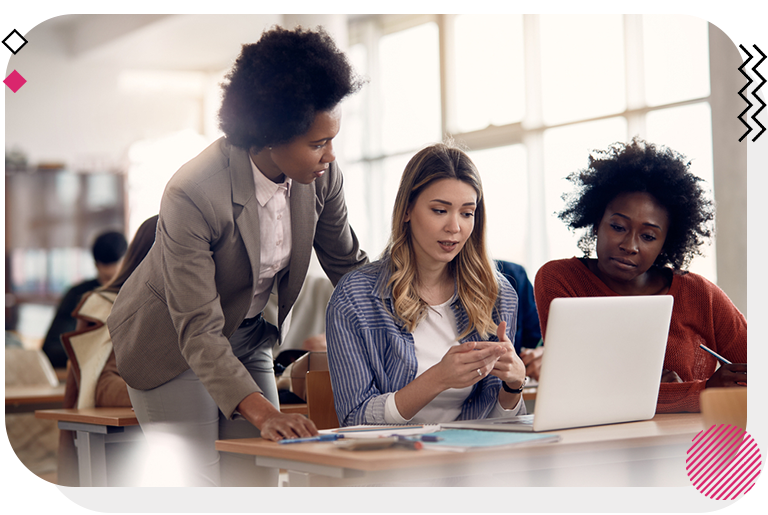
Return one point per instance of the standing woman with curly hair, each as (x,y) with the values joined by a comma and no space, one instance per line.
(407,334)
(646,216)
(237,223)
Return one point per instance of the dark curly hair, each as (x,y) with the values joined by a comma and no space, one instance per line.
(642,167)
(278,84)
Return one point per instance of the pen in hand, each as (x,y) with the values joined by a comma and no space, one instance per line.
(722,360)
(715,354)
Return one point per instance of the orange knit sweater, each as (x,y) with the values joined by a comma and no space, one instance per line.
(702,313)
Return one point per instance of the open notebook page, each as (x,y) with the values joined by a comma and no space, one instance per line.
(372,431)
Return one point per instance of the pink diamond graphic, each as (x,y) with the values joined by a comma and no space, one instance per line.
(15,81)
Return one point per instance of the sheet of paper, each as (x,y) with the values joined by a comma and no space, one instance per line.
(373,431)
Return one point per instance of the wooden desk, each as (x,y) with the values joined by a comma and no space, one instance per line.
(648,453)
(28,398)
(95,428)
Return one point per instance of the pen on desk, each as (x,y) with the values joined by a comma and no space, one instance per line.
(318,438)
(715,354)
(403,441)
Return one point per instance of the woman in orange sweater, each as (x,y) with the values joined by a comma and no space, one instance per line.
(646,216)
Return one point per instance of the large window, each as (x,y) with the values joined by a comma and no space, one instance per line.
(529,96)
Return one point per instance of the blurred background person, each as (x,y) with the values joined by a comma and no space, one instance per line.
(108,249)
(92,377)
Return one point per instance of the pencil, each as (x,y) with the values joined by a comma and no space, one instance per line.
(715,354)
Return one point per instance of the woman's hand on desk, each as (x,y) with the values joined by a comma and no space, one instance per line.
(729,375)
(273,424)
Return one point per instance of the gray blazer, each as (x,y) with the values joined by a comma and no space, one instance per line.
(193,290)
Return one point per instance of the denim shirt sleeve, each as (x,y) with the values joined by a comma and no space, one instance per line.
(369,356)
(485,396)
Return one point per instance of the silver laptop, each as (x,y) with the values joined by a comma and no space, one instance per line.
(602,364)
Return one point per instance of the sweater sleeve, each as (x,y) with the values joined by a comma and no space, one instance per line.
(708,316)
(111,389)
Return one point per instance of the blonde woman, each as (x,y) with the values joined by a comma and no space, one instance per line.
(423,335)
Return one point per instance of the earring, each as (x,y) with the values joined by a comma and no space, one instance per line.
(270,148)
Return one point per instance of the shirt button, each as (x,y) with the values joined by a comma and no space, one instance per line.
(279,217)
(278,243)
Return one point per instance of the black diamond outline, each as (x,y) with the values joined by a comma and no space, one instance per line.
(22,38)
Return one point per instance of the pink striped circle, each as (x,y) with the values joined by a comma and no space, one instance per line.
(723,463)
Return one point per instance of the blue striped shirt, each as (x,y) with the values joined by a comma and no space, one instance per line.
(371,355)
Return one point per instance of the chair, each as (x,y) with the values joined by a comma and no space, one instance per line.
(724,406)
(320,406)
(312,382)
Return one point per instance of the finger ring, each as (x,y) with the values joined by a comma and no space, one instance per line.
(479,373)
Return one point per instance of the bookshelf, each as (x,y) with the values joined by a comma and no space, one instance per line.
(52,215)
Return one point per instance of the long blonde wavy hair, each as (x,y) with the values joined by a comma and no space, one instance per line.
(471,268)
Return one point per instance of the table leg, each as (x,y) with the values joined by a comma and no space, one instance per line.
(92,458)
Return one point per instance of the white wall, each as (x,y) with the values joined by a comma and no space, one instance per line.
(72,109)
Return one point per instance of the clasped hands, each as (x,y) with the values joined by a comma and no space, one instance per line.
(465,364)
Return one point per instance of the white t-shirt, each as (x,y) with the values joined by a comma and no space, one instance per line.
(432,338)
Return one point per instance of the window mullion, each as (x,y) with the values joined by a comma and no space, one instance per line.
(537,242)
(446,24)
(635,73)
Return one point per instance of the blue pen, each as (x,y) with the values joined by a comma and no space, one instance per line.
(318,438)
(715,354)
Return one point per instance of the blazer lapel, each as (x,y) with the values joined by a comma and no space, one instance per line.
(302,235)
(291,279)
(244,206)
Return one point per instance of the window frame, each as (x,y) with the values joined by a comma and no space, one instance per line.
(529,131)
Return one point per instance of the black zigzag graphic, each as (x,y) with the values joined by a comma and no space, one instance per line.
(749,79)
(754,70)
(754,93)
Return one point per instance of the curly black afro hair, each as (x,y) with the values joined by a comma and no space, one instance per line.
(278,84)
(642,167)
